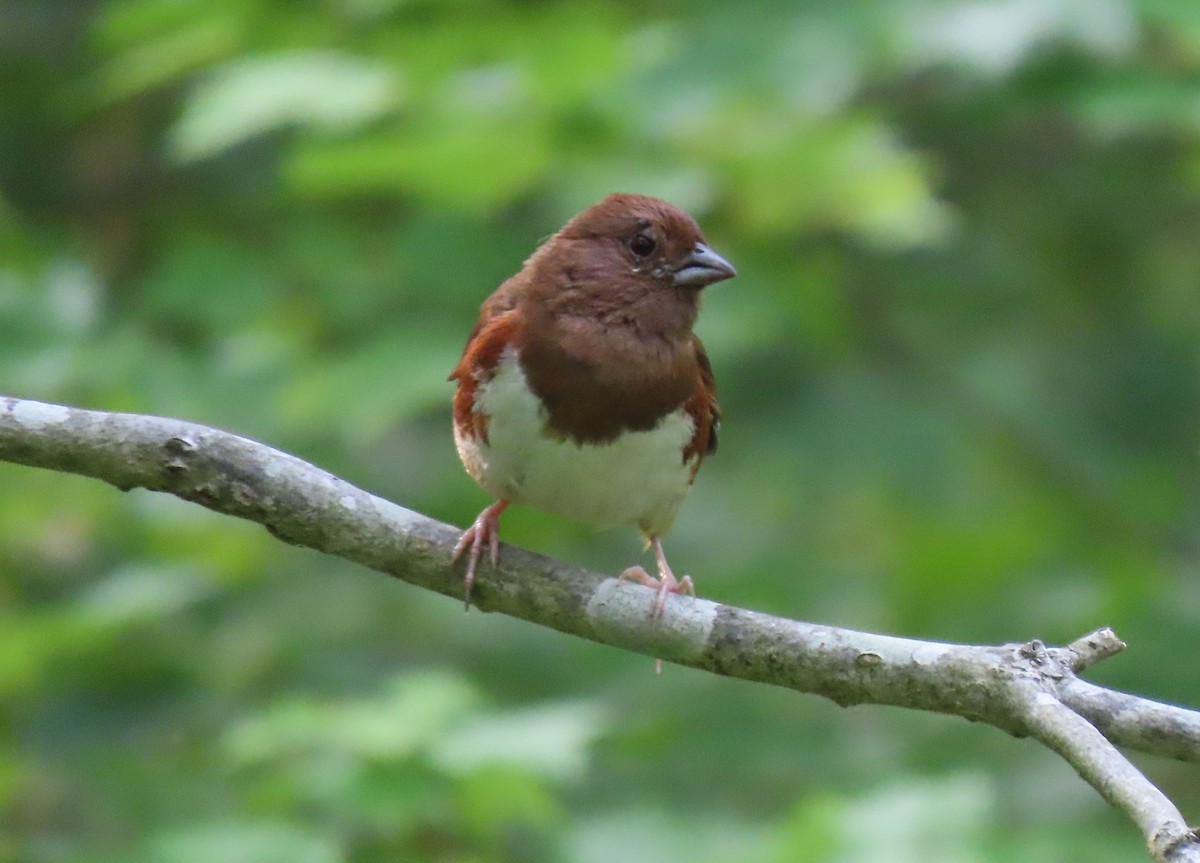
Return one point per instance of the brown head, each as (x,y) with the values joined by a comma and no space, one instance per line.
(629,262)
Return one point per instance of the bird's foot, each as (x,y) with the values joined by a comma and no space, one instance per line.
(485,531)
(667,583)
(664,584)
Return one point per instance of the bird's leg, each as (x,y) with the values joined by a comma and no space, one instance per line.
(485,531)
(664,584)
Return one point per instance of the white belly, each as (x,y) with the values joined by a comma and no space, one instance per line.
(639,478)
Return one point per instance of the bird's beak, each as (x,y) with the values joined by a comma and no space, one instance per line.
(702,266)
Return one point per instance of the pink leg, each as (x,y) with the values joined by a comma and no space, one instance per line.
(664,584)
(485,531)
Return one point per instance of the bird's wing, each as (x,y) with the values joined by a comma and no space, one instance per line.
(478,365)
(704,410)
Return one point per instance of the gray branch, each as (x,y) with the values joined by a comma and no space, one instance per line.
(1025,690)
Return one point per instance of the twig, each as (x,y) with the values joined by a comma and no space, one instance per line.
(1092,648)
(1105,769)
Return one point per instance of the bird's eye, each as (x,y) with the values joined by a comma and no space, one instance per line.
(642,245)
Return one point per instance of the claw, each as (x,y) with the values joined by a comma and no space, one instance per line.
(664,584)
(485,530)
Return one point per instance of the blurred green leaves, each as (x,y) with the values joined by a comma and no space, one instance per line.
(246,842)
(425,754)
(547,740)
(437,716)
(960,371)
(914,821)
(407,717)
(252,97)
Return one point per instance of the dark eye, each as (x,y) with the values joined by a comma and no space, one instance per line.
(642,245)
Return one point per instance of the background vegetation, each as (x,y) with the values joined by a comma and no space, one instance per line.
(960,369)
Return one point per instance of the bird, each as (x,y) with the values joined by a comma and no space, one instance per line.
(583,391)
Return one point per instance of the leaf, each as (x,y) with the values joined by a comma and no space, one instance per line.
(245,843)
(920,821)
(253,96)
(409,715)
(470,162)
(551,740)
(141,593)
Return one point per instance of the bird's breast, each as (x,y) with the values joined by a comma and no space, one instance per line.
(638,476)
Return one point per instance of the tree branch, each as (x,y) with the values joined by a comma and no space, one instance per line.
(1026,690)
(1105,769)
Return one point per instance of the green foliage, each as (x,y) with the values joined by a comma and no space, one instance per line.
(960,369)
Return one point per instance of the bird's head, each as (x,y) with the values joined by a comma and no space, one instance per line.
(630,260)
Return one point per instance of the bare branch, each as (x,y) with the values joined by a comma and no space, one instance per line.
(1138,723)
(1022,689)
(1109,772)
(1092,648)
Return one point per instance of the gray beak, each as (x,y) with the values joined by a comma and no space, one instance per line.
(701,267)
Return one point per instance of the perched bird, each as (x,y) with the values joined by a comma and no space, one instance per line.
(582,390)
